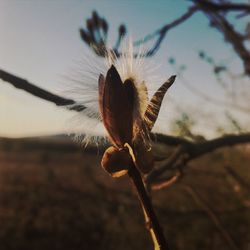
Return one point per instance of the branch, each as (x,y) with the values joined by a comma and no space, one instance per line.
(163,31)
(212,10)
(198,5)
(39,92)
(219,22)
(226,6)
(166,164)
(188,150)
(96,31)
(202,148)
(170,140)
(195,149)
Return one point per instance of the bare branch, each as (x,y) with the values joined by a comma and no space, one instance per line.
(224,141)
(197,149)
(171,140)
(188,150)
(231,35)
(95,33)
(161,33)
(39,92)
(226,6)
(219,22)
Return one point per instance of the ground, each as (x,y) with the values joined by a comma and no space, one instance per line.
(54,195)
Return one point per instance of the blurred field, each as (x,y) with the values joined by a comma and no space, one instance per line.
(53,195)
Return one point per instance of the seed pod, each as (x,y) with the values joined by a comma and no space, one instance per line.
(116,100)
(116,162)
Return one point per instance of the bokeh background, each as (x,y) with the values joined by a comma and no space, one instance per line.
(54,194)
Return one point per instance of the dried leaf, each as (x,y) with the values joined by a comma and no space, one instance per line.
(154,105)
(116,162)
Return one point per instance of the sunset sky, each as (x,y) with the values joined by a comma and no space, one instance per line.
(40,42)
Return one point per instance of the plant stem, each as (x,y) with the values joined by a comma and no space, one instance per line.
(151,219)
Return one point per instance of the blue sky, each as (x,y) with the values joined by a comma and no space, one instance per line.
(40,42)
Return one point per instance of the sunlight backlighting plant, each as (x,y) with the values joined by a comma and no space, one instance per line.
(128,116)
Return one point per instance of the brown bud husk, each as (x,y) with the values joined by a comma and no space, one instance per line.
(116,162)
(154,105)
(116,101)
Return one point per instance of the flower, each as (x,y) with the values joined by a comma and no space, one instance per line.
(126,111)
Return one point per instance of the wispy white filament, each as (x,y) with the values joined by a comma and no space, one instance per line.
(82,87)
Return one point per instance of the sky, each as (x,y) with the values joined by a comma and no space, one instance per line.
(40,42)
